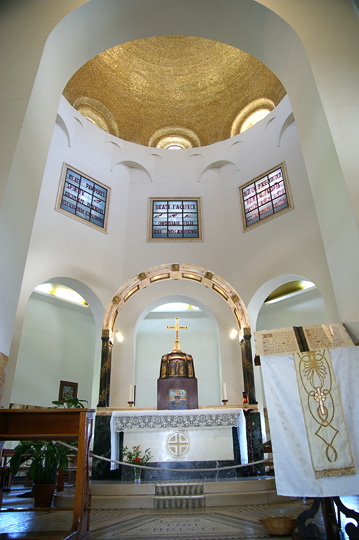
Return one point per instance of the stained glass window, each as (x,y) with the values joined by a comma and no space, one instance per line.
(265,196)
(175,219)
(83,197)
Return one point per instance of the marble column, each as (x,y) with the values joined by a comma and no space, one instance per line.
(101,469)
(254,441)
(105,375)
(247,366)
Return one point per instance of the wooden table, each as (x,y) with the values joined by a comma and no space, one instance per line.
(56,425)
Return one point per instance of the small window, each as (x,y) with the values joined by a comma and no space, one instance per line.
(175,219)
(83,197)
(265,196)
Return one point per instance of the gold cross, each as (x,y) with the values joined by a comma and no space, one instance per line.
(177,327)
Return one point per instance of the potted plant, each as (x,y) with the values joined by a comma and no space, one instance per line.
(135,457)
(44,459)
(70,403)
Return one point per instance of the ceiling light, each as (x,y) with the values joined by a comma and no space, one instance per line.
(119,336)
(233,333)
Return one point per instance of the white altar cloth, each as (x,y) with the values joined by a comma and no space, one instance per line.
(291,454)
(151,429)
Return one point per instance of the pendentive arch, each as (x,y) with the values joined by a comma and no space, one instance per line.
(175,271)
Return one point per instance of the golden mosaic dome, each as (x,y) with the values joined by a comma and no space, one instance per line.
(174,91)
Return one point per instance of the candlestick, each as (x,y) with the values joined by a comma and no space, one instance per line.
(131,403)
(224,401)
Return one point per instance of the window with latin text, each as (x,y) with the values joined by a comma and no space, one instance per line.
(266,196)
(175,219)
(83,197)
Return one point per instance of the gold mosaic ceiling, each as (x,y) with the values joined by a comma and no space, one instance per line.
(151,87)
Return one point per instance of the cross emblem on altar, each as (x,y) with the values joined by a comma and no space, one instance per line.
(177,327)
(178,444)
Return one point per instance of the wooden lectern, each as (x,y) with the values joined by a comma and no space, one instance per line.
(56,425)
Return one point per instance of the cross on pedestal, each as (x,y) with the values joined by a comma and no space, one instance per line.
(177,327)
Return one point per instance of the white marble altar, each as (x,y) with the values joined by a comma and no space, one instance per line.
(198,435)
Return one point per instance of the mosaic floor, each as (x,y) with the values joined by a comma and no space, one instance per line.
(217,523)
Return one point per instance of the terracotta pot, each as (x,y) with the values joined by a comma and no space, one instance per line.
(43,494)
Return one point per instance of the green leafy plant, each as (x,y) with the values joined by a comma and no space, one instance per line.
(44,457)
(70,403)
(135,456)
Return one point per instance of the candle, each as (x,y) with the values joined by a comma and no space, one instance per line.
(130,395)
(224,392)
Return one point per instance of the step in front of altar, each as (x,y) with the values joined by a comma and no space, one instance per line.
(113,495)
(179,495)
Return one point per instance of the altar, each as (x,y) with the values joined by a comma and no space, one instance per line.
(203,437)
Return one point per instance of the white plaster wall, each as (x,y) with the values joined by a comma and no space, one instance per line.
(103,261)
(303,310)
(228,355)
(200,340)
(243,23)
(57,343)
(290,243)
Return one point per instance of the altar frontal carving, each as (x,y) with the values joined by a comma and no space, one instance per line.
(177,384)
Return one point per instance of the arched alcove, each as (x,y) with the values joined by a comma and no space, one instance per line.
(301,315)
(59,341)
(200,339)
(136,298)
(304,309)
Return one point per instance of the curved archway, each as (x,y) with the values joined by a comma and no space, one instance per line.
(59,341)
(168,299)
(257,300)
(151,338)
(254,307)
(175,271)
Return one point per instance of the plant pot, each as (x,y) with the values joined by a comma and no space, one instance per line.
(43,494)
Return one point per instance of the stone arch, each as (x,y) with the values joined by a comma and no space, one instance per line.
(175,271)
(264,290)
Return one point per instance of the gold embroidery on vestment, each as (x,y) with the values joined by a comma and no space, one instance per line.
(323,415)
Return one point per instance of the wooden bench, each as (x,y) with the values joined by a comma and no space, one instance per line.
(56,425)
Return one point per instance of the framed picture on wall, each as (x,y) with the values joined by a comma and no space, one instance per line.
(67,390)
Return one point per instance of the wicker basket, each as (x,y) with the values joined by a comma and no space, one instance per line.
(279,525)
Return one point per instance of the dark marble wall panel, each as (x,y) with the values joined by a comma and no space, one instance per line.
(102,447)
(164,474)
(257,441)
